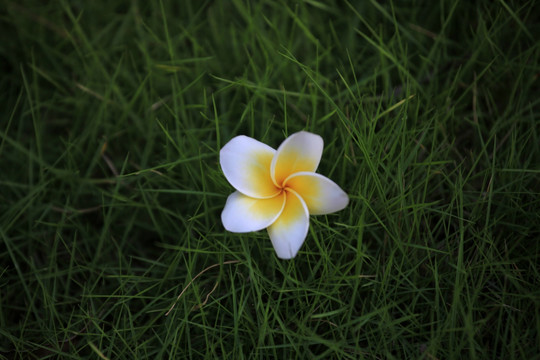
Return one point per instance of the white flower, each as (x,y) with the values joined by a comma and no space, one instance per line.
(277,190)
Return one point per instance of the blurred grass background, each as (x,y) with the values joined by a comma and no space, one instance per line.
(110,189)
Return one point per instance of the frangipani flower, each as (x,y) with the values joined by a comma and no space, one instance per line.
(277,190)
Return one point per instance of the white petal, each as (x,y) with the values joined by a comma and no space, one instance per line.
(321,195)
(246,164)
(301,151)
(244,214)
(290,229)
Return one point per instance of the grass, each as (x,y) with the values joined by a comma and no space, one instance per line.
(113,118)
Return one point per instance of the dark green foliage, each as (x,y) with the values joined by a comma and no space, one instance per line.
(111,193)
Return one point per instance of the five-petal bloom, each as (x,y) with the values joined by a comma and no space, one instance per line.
(277,190)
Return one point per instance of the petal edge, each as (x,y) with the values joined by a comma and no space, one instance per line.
(301,151)
(321,195)
(290,229)
(246,163)
(245,214)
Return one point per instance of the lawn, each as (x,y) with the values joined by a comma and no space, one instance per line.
(113,117)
